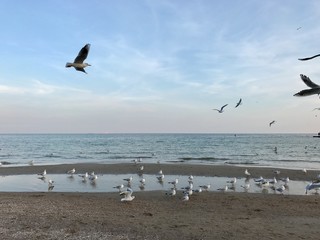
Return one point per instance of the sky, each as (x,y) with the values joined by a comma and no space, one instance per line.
(159,66)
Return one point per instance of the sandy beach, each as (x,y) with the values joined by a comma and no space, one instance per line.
(153,215)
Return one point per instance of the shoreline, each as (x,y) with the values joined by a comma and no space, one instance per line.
(169,169)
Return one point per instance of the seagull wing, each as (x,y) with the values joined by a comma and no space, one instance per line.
(82,54)
(308,92)
(239,103)
(308,58)
(308,82)
(223,107)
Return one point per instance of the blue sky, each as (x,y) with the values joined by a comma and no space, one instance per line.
(158,66)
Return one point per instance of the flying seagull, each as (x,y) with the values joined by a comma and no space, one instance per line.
(309,58)
(78,63)
(239,103)
(271,123)
(315,88)
(221,110)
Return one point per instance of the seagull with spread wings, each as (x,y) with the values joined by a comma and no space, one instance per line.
(314,88)
(221,109)
(78,63)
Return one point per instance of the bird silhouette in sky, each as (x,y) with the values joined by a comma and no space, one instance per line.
(273,122)
(221,109)
(314,88)
(308,58)
(78,63)
(239,103)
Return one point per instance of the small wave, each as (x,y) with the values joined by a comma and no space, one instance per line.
(244,155)
(5,163)
(203,159)
(241,163)
(102,152)
(128,157)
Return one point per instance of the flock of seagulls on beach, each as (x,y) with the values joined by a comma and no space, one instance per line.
(185,190)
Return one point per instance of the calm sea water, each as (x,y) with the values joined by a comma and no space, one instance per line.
(275,150)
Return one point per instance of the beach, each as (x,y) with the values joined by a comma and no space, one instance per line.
(153,215)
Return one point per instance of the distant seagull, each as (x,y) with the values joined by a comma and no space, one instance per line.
(299,28)
(246,172)
(309,58)
(239,103)
(271,123)
(119,187)
(175,182)
(232,181)
(72,171)
(185,197)
(221,109)
(281,189)
(50,185)
(127,195)
(311,186)
(246,186)
(43,173)
(315,88)
(316,109)
(205,187)
(160,178)
(78,63)
(128,179)
(223,189)
(172,192)
(84,176)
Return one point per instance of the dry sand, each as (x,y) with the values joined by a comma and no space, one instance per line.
(153,215)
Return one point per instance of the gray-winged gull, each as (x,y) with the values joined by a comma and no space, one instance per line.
(78,63)
(315,88)
(221,109)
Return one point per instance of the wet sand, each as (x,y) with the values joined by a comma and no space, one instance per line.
(153,215)
(172,169)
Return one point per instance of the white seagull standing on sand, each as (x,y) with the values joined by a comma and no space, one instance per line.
(127,195)
(314,88)
(78,63)
(221,109)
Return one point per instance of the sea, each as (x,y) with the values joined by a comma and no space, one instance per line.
(293,151)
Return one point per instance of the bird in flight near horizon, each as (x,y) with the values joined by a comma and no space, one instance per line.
(78,63)
(239,103)
(308,58)
(221,109)
(271,123)
(315,88)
